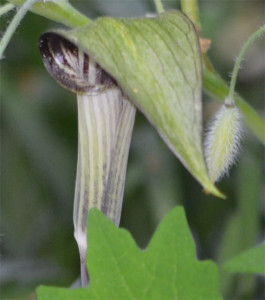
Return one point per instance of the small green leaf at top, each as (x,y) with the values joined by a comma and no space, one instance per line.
(251,261)
(118,269)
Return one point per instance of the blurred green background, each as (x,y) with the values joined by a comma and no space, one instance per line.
(39,151)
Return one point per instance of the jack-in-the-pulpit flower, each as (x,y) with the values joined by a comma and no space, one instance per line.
(105,123)
(222,140)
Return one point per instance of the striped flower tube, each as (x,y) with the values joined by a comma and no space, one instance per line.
(105,124)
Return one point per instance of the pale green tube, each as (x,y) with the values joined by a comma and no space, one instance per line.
(105,124)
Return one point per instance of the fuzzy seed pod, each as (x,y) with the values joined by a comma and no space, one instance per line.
(222,140)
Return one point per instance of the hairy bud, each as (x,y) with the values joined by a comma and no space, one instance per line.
(222,141)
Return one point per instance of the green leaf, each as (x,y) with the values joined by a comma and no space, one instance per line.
(157,62)
(251,261)
(118,269)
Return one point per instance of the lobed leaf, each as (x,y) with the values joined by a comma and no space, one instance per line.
(167,269)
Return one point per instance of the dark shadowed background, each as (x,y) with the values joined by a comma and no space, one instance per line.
(38,158)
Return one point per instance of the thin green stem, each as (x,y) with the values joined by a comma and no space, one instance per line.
(14,24)
(159,6)
(248,43)
(6,8)
(190,8)
(59,11)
